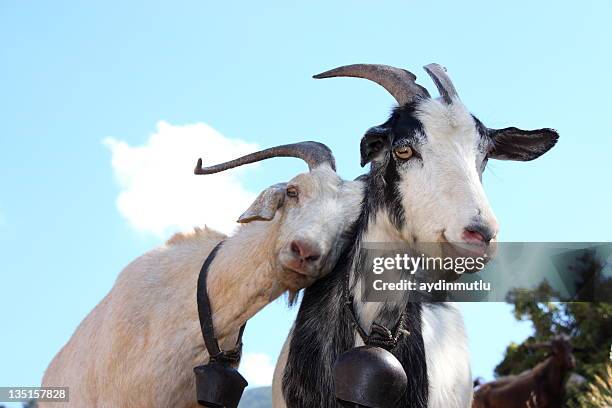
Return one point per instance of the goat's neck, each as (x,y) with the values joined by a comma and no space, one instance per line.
(242,278)
(376,229)
(555,372)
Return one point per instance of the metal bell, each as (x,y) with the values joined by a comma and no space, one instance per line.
(219,385)
(369,376)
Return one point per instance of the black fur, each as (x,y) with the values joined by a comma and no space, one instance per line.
(321,333)
(322,329)
(521,145)
(513,143)
(402,129)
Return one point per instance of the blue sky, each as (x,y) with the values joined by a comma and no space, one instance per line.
(74,74)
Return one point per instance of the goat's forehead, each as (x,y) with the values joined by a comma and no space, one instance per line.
(319,181)
(443,123)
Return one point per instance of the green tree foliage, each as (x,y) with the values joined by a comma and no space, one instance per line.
(588,324)
(598,392)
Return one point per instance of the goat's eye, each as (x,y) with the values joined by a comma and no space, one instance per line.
(292,191)
(403,153)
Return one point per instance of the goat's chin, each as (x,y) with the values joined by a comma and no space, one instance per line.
(294,280)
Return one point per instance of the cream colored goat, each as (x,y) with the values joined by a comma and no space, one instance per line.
(139,345)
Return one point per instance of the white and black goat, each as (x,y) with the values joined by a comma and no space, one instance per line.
(138,346)
(424,185)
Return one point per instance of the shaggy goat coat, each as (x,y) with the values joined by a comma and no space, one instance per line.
(139,345)
(434,355)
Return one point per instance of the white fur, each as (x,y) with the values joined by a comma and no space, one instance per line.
(139,345)
(446,352)
(278,400)
(381,231)
(444,195)
(448,359)
(441,196)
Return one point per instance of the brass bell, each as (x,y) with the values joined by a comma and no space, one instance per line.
(218,385)
(369,376)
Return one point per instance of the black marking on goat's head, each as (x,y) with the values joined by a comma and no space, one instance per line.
(401,129)
(448,151)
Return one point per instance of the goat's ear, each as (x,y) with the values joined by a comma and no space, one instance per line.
(373,143)
(265,205)
(521,145)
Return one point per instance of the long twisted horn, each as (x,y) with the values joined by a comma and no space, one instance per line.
(443,82)
(313,153)
(398,82)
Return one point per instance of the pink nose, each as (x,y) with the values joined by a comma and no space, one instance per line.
(477,234)
(305,251)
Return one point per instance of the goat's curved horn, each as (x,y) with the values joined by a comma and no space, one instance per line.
(398,82)
(443,82)
(313,153)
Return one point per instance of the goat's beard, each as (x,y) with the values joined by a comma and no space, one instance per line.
(292,297)
(291,293)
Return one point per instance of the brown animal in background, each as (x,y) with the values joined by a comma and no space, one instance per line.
(540,387)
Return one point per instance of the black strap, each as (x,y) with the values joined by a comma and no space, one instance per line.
(380,336)
(206,320)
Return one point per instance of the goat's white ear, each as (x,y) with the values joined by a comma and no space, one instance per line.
(521,145)
(265,205)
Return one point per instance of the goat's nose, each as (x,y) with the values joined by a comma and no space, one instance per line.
(478,234)
(305,250)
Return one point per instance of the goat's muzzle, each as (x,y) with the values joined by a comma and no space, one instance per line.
(303,258)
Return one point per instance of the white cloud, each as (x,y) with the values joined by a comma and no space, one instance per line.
(257,368)
(160,193)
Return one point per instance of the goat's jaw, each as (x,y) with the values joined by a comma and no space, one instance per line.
(277,289)
(294,280)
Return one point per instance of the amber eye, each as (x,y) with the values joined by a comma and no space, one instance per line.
(403,153)
(292,191)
